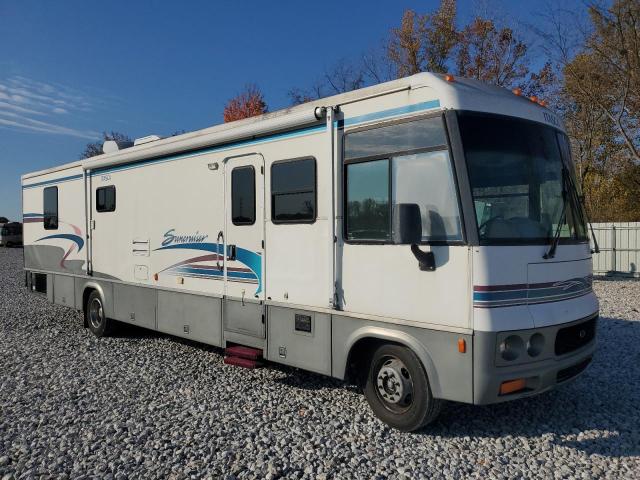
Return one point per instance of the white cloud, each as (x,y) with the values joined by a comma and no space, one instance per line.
(21,122)
(22,99)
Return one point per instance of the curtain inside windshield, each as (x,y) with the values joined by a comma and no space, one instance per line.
(521,191)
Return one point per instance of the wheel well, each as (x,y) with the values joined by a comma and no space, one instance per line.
(360,356)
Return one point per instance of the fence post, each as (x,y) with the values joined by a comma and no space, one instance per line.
(613,249)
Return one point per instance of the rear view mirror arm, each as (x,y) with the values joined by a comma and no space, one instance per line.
(426,260)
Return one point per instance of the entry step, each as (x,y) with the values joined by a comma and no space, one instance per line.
(242,356)
(242,362)
(243,352)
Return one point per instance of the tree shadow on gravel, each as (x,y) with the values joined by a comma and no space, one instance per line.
(598,413)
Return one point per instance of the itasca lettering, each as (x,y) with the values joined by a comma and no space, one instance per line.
(171,237)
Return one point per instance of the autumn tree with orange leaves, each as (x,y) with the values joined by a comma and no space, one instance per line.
(248,103)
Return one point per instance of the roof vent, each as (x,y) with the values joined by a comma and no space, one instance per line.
(147,139)
(111,146)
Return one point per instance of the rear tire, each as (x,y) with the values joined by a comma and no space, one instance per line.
(95,317)
(398,390)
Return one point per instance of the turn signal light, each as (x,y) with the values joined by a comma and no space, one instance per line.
(449,78)
(462,345)
(512,386)
(155,277)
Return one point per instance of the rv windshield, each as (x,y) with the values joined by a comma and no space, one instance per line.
(522,181)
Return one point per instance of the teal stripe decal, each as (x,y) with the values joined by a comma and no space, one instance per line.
(392,112)
(51,182)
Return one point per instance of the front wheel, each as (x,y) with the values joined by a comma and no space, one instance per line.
(96,319)
(398,391)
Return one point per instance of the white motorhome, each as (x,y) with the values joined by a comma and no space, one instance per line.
(422,237)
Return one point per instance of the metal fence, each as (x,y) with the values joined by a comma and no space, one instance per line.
(619,249)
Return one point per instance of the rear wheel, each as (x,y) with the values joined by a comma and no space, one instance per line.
(397,389)
(95,317)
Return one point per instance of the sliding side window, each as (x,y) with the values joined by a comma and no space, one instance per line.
(399,164)
(368,207)
(106,199)
(50,208)
(293,191)
(243,195)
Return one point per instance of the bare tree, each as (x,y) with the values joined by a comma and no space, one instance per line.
(344,76)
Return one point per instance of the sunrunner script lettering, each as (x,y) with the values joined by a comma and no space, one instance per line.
(171,238)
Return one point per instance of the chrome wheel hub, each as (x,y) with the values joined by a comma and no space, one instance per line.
(96,313)
(394,383)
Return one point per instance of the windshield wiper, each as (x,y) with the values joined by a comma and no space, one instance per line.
(582,210)
(561,221)
(568,186)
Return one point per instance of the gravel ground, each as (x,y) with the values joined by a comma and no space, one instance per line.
(145,405)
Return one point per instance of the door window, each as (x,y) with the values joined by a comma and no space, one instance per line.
(243,195)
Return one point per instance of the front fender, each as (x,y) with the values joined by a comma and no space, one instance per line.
(396,336)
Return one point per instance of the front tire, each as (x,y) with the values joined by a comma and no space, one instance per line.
(398,390)
(95,317)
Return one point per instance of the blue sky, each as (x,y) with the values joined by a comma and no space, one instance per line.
(70,69)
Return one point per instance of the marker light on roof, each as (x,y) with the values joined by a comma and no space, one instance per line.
(449,78)
(533,98)
(542,103)
(517,91)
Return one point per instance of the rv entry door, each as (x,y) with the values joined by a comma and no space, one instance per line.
(243,238)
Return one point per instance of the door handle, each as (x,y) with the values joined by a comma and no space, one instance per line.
(231,252)
(220,235)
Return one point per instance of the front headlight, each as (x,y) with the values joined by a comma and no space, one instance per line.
(535,344)
(511,347)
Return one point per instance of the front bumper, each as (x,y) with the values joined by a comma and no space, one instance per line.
(490,371)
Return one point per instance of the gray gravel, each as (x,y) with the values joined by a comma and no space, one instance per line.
(146,405)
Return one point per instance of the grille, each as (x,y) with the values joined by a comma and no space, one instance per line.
(572,338)
(570,372)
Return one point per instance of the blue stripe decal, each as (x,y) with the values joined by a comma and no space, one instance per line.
(209,272)
(392,112)
(252,260)
(207,247)
(503,296)
(67,236)
(51,182)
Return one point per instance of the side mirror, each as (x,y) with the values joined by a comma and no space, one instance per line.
(407,229)
(407,224)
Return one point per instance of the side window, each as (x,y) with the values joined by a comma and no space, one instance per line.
(293,191)
(50,208)
(106,199)
(368,215)
(404,163)
(243,195)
